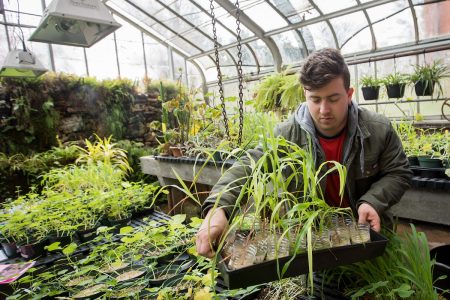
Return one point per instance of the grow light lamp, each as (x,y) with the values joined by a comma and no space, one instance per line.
(21,63)
(75,23)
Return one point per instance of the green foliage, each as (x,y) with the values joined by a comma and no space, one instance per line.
(395,78)
(279,91)
(369,81)
(403,271)
(430,74)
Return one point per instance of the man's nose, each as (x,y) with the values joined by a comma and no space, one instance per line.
(324,106)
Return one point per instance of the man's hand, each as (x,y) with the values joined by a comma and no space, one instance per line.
(210,231)
(367,214)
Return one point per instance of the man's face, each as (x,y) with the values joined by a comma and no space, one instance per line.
(329,106)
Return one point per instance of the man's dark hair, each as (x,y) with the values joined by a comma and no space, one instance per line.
(323,66)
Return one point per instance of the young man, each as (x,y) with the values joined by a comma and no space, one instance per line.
(377,168)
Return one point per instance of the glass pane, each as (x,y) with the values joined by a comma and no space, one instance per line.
(185,46)
(225,18)
(179,67)
(262,14)
(296,10)
(349,32)
(263,54)
(289,44)
(157,59)
(227,67)
(395,30)
(102,60)
(3,45)
(206,62)
(319,36)
(202,41)
(130,52)
(69,59)
(432,19)
(202,22)
(194,77)
(30,11)
(248,61)
(327,6)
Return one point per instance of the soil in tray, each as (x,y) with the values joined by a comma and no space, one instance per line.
(90,292)
(130,273)
(125,292)
(77,281)
(114,267)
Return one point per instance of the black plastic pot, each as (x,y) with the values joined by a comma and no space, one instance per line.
(395,90)
(370,92)
(32,249)
(424,88)
(117,224)
(143,212)
(10,249)
(442,266)
(87,234)
(428,162)
(63,240)
(413,160)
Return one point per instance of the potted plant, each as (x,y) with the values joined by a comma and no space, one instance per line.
(370,87)
(395,84)
(278,92)
(426,77)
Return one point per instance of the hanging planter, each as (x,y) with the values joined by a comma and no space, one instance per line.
(370,87)
(370,92)
(395,90)
(426,77)
(395,84)
(424,88)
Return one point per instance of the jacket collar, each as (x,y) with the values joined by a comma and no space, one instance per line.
(303,118)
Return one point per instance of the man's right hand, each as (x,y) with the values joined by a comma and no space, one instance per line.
(210,231)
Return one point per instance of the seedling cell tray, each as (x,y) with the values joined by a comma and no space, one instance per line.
(322,259)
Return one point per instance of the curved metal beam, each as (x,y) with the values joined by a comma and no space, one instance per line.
(305,23)
(327,20)
(153,36)
(193,26)
(416,26)
(258,31)
(372,33)
(299,34)
(231,32)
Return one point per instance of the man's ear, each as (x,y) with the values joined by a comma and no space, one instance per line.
(350,94)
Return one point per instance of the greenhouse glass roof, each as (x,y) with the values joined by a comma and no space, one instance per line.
(274,34)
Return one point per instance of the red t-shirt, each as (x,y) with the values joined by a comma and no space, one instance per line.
(333,148)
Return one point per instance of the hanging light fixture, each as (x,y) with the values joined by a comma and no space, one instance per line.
(21,63)
(74,22)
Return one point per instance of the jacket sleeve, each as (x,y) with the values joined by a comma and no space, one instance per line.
(394,175)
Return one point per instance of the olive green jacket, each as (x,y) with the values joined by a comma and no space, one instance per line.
(377,168)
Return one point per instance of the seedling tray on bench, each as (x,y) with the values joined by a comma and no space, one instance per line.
(322,259)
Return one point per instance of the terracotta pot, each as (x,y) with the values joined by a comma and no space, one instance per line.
(176,151)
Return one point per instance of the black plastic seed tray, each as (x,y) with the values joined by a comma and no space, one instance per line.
(195,161)
(322,259)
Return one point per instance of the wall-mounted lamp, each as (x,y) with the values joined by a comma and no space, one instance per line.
(74,22)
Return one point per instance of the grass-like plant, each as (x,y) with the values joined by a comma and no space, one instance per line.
(265,192)
(403,271)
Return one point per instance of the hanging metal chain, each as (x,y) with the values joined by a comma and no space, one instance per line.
(219,73)
(240,75)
